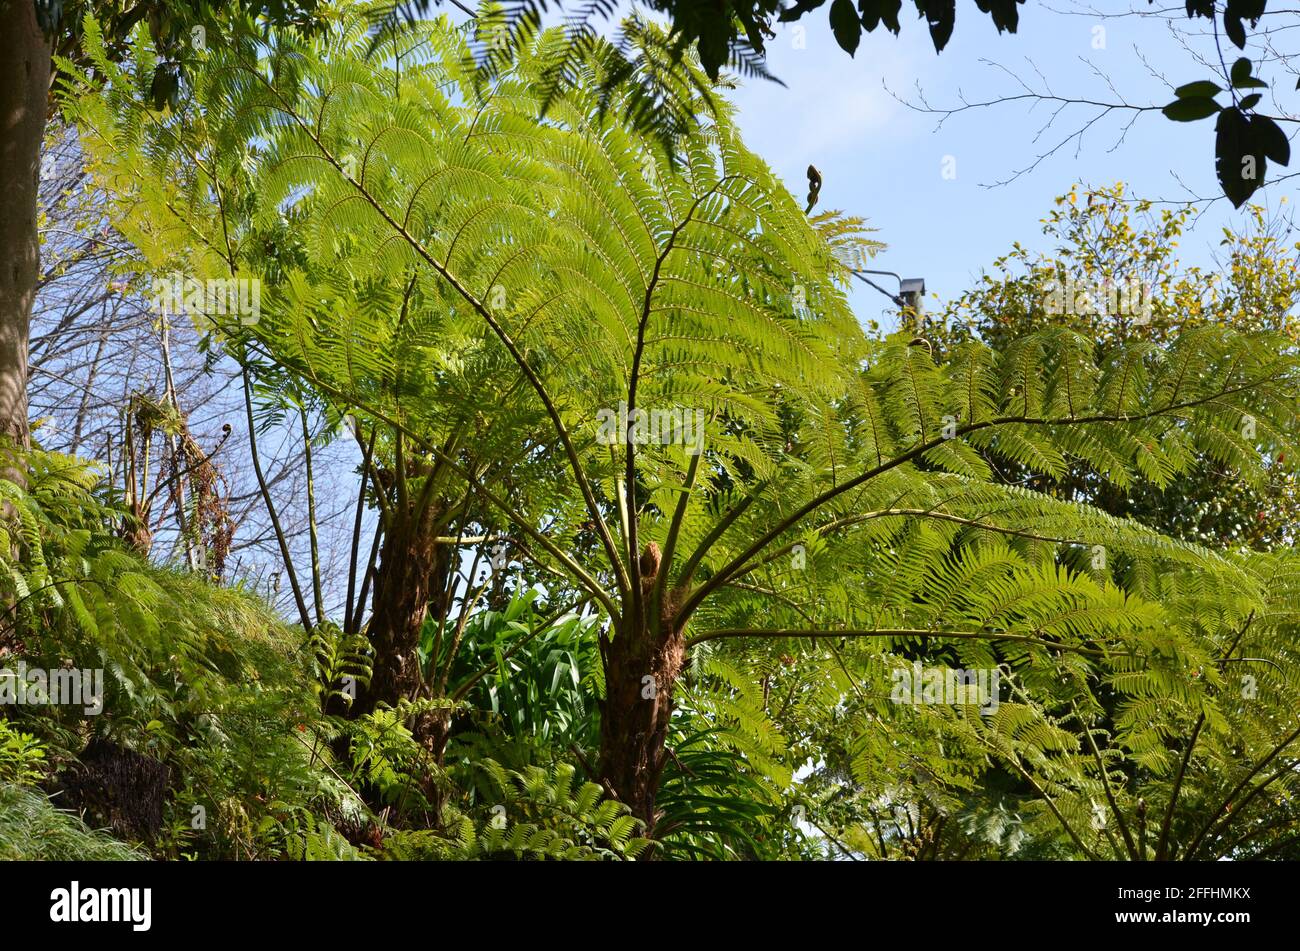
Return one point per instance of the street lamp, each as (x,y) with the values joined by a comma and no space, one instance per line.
(911,290)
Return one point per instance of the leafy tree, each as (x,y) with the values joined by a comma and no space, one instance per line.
(1102,241)
(734,34)
(1113,275)
(203,691)
(34,34)
(841,516)
(410,573)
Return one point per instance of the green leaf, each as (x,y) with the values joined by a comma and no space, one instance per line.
(1249,102)
(1200,88)
(1269,139)
(1189,110)
(1004,13)
(875,12)
(1241,78)
(792,13)
(1240,169)
(939,15)
(1236,32)
(164,90)
(845,25)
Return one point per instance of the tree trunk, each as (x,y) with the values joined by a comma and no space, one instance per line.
(642,664)
(24,97)
(412,573)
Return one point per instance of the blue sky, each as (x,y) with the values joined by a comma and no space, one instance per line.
(883,161)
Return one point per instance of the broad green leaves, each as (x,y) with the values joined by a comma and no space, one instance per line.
(1201,88)
(1242,78)
(1244,140)
(1243,145)
(1191,109)
(845,25)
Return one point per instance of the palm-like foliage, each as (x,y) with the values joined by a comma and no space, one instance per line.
(33,829)
(841,511)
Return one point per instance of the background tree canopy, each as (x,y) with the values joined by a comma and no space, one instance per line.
(733,35)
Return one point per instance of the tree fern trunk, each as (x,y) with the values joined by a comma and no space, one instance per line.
(24,94)
(412,574)
(642,664)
